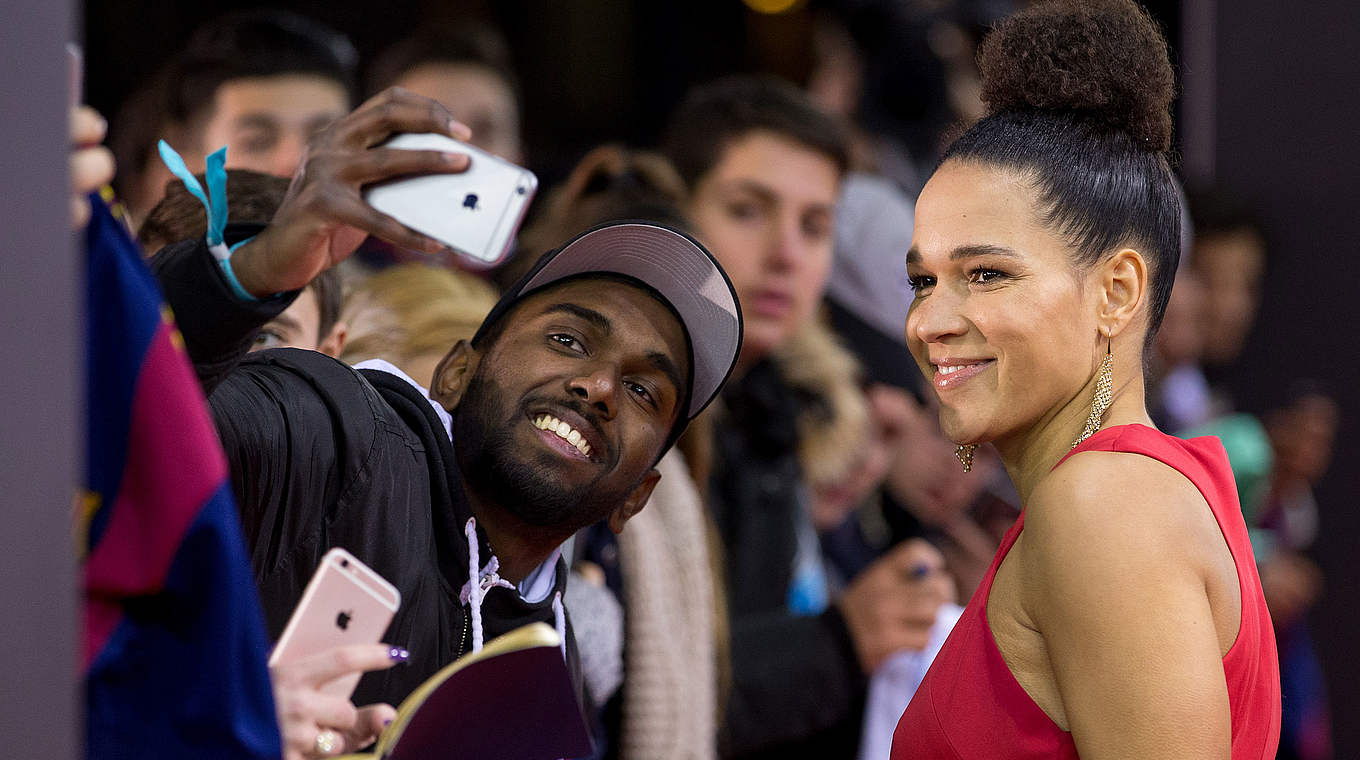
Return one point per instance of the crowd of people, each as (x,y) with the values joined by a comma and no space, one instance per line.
(745,503)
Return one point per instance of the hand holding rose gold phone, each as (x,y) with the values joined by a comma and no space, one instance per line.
(329,642)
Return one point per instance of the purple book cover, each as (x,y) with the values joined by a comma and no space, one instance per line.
(516,705)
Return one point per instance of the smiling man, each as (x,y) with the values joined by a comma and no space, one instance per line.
(551,418)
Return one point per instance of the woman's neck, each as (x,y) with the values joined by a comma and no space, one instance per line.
(1031,454)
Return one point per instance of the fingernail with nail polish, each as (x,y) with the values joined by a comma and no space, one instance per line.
(398,654)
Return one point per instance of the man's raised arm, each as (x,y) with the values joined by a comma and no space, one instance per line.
(320,223)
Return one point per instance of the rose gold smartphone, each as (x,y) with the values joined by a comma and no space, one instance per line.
(344,603)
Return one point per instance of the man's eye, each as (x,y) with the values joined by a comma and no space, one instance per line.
(920,282)
(568,341)
(641,391)
(255,142)
(743,211)
(816,229)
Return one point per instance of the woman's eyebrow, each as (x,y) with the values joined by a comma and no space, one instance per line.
(967,251)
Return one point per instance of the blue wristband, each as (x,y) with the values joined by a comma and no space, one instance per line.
(232,282)
(214,200)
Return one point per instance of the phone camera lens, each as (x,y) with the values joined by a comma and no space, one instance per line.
(344,563)
(520,190)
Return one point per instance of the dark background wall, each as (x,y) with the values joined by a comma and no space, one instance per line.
(1271,108)
(1286,137)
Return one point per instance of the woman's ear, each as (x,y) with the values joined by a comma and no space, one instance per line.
(1124,288)
(452,375)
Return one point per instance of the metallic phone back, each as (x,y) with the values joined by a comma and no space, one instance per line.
(475,212)
(345,603)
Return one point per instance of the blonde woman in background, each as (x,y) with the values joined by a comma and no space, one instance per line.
(409,314)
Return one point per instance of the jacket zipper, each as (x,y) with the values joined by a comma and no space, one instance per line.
(462,640)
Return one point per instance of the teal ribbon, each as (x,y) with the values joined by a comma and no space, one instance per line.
(214,200)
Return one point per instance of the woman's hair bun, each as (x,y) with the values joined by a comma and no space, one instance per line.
(1104,59)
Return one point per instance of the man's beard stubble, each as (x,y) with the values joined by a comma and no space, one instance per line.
(508,476)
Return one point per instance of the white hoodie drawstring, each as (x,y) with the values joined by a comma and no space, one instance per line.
(479,582)
(487,578)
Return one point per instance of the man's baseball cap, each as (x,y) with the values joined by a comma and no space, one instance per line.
(671,264)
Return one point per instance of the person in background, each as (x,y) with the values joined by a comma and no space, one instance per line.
(137,125)
(410,314)
(261,82)
(1303,433)
(468,69)
(899,75)
(1180,397)
(1229,256)
(764,169)
(313,320)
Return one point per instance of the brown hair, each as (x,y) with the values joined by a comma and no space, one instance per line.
(611,182)
(252,197)
(714,115)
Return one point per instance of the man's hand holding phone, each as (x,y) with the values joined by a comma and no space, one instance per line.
(324,217)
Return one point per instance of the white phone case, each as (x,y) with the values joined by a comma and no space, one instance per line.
(344,603)
(475,212)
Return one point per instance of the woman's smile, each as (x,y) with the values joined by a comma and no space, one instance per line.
(951,373)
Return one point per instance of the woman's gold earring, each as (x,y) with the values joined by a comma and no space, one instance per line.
(964,451)
(1104,395)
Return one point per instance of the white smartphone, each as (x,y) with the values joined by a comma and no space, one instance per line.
(344,603)
(476,212)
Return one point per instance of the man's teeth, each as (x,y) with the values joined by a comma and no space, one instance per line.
(948,369)
(564,431)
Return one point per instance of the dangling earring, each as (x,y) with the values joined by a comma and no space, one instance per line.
(1104,395)
(964,451)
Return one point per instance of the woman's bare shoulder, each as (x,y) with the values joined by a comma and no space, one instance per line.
(1116,504)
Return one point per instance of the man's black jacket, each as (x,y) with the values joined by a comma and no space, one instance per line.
(322,455)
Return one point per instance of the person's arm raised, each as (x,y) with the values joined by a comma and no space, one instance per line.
(1114,573)
(320,222)
(324,218)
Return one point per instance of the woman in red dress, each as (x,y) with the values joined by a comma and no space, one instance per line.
(1122,615)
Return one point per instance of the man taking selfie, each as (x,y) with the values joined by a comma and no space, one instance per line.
(551,418)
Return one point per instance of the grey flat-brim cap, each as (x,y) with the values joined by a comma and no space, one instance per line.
(674,265)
